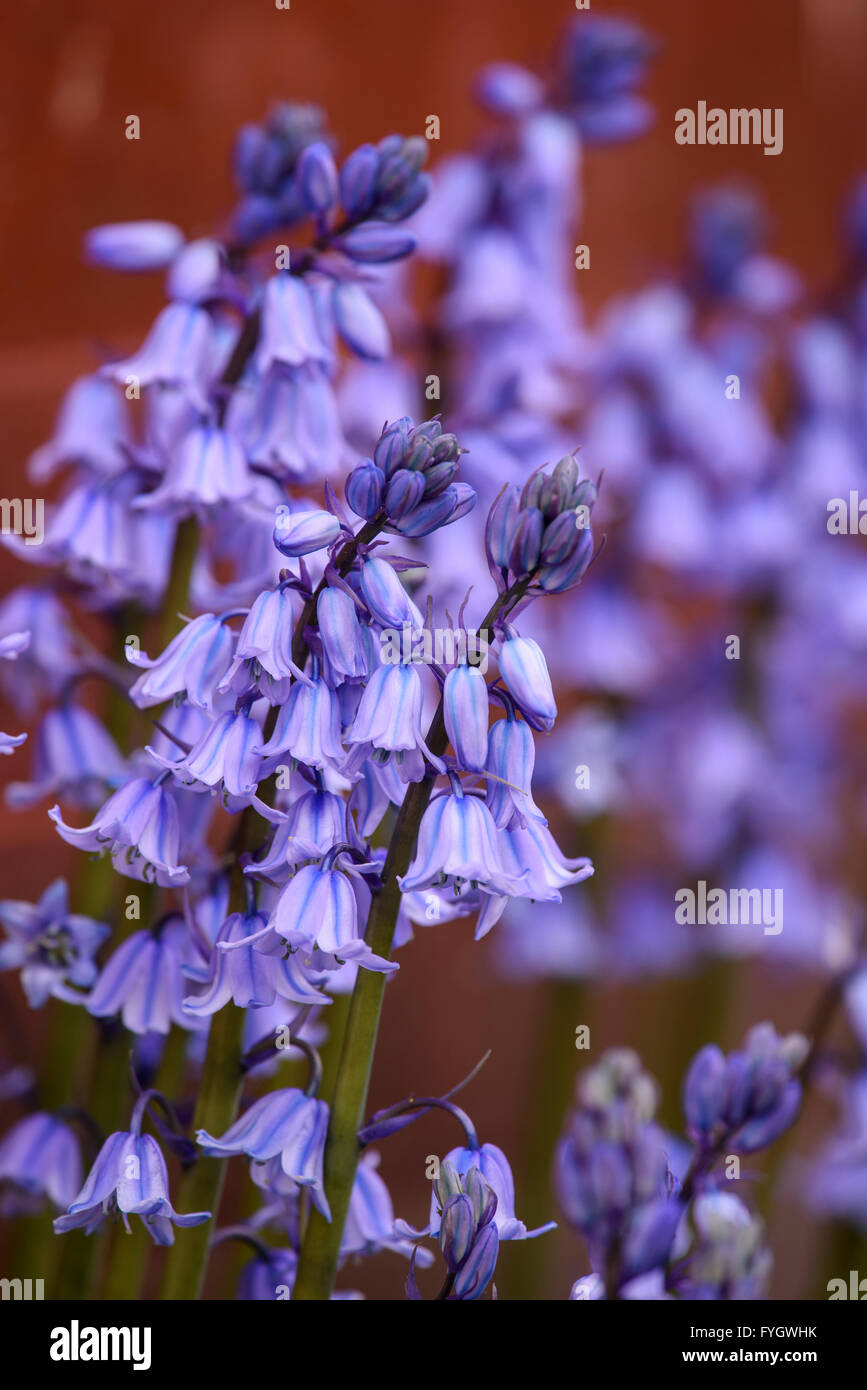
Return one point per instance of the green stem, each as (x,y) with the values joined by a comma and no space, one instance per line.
(202,1186)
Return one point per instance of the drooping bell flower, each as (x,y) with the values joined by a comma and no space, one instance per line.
(144,981)
(386,597)
(465,706)
(264,646)
(308,726)
(207,469)
(458,845)
(39,1158)
(192,665)
(303,531)
(525,672)
(178,351)
(318,908)
(493,1166)
(285,1128)
(510,758)
(75,758)
(129,1176)
(251,976)
(388,722)
(139,826)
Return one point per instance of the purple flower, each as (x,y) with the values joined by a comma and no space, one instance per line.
(285,1127)
(386,597)
(139,825)
(52,947)
(304,531)
(494,1168)
(264,645)
(39,1157)
(92,430)
(308,726)
(388,720)
(193,665)
(133,245)
(337,616)
(318,907)
(525,671)
(74,759)
(465,706)
(253,976)
(143,981)
(129,1176)
(290,334)
(511,754)
(207,469)
(458,845)
(178,351)
(370,1224)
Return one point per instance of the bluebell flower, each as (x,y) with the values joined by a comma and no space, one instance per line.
(284,1129)
(492,1164)
(139,825)
(290,334)
(531,850)
(135,246)
(318,908)
(263,649)
(208,469)
(386,597)
(302,532)
(510,758)
(144,981)
(360,323)
(251,976)
(370,1223)
(178,351)
(129,1176)
(51,946)
(308,726)
(228,757)
(315,823)
(344,647)
(75,758)
(465,707)
(388,721)
(458,845)
(92,430)
(193,665)
(525,671)
(289,423)
(39,1158)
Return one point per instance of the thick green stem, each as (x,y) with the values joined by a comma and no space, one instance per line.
(202,1186)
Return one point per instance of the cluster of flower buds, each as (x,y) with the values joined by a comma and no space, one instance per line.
(612,1172)
(541,533)
(287,171)
(603,64)
(748,1098)
(411,479)
(468,1234)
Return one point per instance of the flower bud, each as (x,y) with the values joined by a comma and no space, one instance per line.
(560,539)
(438,477)
(528,540)
(477,1270)
(704,1090)
(523,668)
(404,492)
(392,445)
(503,520)
(133,245)
(304,532)
(448,1184)
(554,579)
(457,1228)
(364,489)
(465,706)
(375,243)
(386,597)
(358,180)
(317,177)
